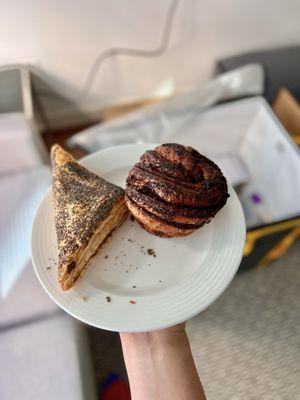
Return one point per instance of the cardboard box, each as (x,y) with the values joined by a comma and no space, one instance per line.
(252,148)
(287,110)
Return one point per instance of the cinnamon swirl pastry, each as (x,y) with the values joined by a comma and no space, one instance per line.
(174,190)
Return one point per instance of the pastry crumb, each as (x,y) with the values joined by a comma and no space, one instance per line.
(132,301)
(83,298)
(48,268)
(106,256)
(108,299)
(151,252)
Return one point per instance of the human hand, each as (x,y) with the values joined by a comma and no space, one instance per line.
(160,365)
(151,338)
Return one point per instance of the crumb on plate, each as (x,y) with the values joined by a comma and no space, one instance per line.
(151,252)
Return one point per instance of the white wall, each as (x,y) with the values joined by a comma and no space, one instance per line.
(63,37)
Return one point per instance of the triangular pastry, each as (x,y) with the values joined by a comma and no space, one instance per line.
(87,209)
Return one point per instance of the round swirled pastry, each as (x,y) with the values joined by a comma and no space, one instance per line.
(174,190)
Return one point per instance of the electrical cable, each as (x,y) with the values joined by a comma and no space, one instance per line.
(122,51)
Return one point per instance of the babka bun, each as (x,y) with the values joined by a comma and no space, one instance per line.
(174,190)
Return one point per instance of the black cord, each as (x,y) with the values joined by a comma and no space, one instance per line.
(118,51)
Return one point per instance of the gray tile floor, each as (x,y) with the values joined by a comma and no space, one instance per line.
(247,344)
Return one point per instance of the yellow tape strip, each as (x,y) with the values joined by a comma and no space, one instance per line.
(256,234)
(280,248)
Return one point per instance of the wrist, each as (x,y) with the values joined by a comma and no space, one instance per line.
(160,365)
(174,337)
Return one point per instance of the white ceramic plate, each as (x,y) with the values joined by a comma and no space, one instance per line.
(146,292)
